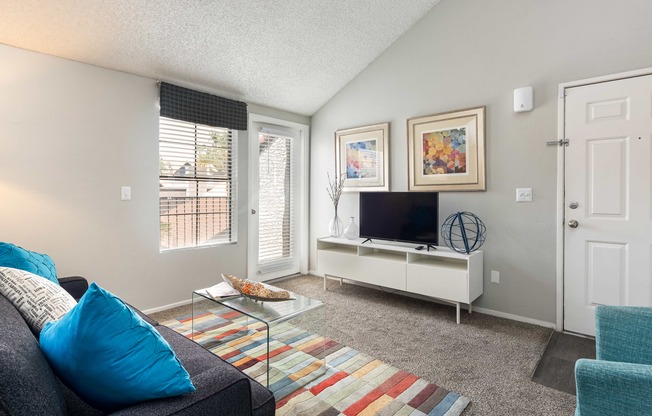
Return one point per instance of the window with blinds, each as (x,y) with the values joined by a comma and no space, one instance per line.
(197,184)
(277,208)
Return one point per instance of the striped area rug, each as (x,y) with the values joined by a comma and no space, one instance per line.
(313,375)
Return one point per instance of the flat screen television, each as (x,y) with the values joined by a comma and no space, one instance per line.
(411,217)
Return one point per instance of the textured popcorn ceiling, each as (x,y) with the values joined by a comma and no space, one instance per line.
(288,54)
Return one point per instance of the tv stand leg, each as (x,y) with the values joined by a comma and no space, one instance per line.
(458,311)
(333,277)
(470,307)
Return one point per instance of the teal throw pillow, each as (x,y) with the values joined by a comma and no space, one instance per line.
(18,258)
(110,356)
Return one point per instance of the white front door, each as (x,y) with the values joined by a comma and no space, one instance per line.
(607,212)
(277,201)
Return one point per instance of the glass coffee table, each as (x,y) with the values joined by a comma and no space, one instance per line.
(254,332)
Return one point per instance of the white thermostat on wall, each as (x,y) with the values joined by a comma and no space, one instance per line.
(523,99)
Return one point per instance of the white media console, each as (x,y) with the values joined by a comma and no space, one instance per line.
(441,274)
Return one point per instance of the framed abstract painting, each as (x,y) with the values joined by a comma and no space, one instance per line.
(361,156)
(446,151)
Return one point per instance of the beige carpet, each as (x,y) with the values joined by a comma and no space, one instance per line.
(489,360)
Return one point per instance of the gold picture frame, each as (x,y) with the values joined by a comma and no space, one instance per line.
(446,151)
(361,155)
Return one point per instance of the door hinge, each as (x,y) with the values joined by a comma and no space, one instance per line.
(560,142)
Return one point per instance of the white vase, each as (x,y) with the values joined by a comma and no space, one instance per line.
(352,231)
(335,226)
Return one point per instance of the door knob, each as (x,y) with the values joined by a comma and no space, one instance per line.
(573,224)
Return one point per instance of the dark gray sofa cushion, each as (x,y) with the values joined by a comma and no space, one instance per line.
(196,360)
(214,396)
(27,384)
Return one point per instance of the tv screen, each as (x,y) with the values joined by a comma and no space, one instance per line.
(411,217)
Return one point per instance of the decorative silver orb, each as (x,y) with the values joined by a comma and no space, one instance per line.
(463,232)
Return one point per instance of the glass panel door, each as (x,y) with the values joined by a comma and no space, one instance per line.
(275,213)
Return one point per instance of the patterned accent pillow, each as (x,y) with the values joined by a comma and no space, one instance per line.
(36,298)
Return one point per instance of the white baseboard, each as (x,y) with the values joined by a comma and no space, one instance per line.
(280,279)
(166,307)
(513,317)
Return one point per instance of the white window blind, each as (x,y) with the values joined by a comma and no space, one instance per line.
(277,207)
(197,181)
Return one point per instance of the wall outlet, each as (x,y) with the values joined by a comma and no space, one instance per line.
(523,194)
(495,276)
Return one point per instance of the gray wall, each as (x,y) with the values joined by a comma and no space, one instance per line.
(468,53)
(70,136)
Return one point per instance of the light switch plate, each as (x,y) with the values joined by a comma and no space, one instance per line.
(523,194)
(125,193)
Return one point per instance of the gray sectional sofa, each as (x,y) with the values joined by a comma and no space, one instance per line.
(29,387)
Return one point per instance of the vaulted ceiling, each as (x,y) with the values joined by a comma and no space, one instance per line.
(292,55)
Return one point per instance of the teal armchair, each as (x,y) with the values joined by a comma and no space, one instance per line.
(619,380)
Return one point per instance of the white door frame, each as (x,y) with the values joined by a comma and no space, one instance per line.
(304,143)
(561,226)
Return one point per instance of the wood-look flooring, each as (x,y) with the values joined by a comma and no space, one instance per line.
(556,369)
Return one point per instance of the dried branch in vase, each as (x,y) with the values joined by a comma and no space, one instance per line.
(335,188)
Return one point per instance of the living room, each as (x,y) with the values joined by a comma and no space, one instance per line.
(73,134)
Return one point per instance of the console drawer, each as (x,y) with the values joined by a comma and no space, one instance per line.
(438,282)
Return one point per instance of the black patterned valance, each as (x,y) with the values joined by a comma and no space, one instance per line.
(199,107)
